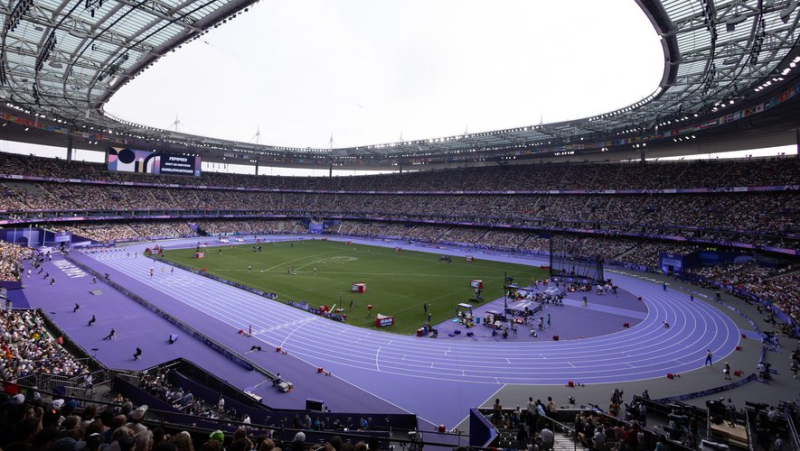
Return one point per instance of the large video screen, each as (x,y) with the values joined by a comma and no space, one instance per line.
(123,159)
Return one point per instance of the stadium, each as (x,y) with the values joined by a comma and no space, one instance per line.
(580,283)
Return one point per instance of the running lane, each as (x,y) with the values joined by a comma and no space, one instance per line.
(647,350)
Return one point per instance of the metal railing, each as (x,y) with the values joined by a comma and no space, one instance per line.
(748,429)
(564,428)
(794,439)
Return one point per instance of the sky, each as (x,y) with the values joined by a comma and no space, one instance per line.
(322,73)
(366,72)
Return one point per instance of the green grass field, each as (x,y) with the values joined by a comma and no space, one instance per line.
(398,283)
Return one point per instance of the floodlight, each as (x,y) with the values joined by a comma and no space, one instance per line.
(731,23)
(786,12)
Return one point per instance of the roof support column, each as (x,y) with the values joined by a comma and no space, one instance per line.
(643,154)
(797,141)
(70,149)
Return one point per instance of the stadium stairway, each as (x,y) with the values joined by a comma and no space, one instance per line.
(625,252)
(564,442)
(507,439)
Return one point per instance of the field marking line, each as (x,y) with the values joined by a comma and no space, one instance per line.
(299,322)
(119,259)
(311,263)
(400,274)
(285,339)
(378,353)
(290,261)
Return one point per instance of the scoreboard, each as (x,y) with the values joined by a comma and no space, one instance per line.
(123,159)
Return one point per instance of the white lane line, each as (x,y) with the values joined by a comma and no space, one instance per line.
(649,335)
(295,330)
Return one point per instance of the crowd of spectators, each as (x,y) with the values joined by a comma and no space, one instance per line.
(162,229)
(27,348)
(532,425)
(752,218)
(106,232)
(594,431)
(428,233)
(643,255)
(756,218)
(10,257)
(761,218)
(184,400)
(46,424)
(776,285)
(742,273)
(249,227)
(374,229)
(636,253)
(53,424)
(536,176)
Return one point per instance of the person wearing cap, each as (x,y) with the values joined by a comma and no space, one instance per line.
(217,435)
(93,441)
(299,442)
(136,419)
(127,407)
(68,408)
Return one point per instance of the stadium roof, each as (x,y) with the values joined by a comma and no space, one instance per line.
(62,60)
